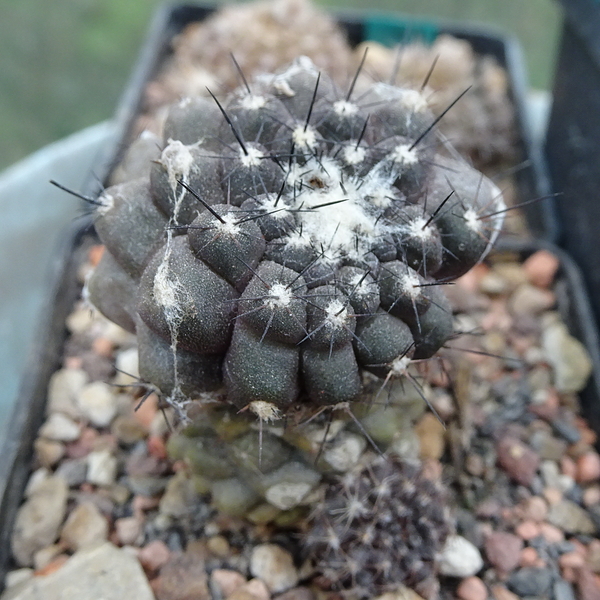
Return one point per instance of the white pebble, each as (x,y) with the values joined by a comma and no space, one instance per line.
(98,403)
(345,451)
(61,428)
(102,468)
(127,367)
(63,389)
(459,558)
(275,566)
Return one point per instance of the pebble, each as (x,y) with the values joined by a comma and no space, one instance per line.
(431,434)
(588,467)
(255,589)
(472,588)
(183,577)
(503,550)
(570,517)
(128,430)
(459,558)
(42,558)
(345,451)
(587,585)
(499,592)
(127,367)
(299,593)
(535,508)
(63,389)
(101,468)
(563,590)
(518,460)
(48,452)
(553,478)
(73,471)
(61,428)
(226,581)
(530,300)
(275,566)
(154,555)
(17,576)
(218,545)
(593,556)
(98,403)
(38,520)
(528,530)
(103,571)
(567,356)
(128,530)
(146,485)
(179,496)
(541,268)
(530,581)
(84,527)
(529,557)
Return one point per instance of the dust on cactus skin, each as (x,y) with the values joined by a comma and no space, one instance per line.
(301,240)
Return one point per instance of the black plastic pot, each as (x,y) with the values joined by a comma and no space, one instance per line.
(388,29)
(573,138)
(28,415)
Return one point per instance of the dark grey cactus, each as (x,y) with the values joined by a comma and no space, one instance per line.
(289,238)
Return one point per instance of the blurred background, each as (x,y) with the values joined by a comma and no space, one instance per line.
(64,63)
(63,66)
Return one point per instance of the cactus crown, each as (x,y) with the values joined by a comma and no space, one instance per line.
(289,237)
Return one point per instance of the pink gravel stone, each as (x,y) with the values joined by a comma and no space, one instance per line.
(540,268)
(527,530)
(587,585)
(518,460)
(552,534)
(472,588)
(529,557)
(154,555)
(227,581)
(588,467)
(503,551)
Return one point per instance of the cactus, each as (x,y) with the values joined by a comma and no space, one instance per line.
(288,239)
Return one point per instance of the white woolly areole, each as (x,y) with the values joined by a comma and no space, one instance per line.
(253,102)
(353,155)
(108,201)
(279,296)
(360,288)
(304,137)
(411,284)
(265,411)
(252,156)
(404,155)
(336,313)
(229,225)
(399,366)
(472,219)
(177,159)
(414,100)
(345,108)
(418,228)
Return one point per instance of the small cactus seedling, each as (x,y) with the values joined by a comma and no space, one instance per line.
(289,237)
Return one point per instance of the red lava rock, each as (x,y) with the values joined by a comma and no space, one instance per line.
(527,530)
(503,551)
(183,578)
(541,268)
(156,447)
(471,588)
(226,581)
(587,585)
(588,467)
(518,460)
(154,555)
